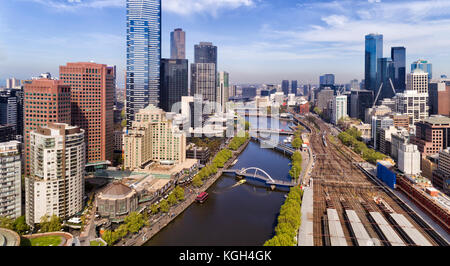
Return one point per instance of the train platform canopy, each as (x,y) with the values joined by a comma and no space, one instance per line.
(410,230)
(386,229)
(337,237)
(362,237)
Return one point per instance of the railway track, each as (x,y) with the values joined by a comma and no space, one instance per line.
(340,181)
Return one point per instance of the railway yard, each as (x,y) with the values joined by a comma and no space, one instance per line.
(350,208)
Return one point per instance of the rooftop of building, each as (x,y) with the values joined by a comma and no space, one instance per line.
(116,189)
(438,120)
(159,169)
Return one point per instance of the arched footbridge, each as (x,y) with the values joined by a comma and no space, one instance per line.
(259,174)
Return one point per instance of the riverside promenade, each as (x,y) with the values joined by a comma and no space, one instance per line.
(160,221)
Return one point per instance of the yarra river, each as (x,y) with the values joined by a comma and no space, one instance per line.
(233,215)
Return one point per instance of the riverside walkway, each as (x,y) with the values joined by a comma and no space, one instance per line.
(160,221)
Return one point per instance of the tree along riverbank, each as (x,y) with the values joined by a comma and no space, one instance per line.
(158,222)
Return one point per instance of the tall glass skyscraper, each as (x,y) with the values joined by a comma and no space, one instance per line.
(424,65)
(143,55)
(285,87)
(398,55)
(374,51)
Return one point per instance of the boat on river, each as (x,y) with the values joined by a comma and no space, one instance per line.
(201,197)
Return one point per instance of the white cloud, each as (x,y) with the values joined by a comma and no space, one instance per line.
(182,7)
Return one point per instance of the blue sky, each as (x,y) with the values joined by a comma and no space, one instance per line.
(260,41)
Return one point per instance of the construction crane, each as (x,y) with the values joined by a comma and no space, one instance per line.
(379,91)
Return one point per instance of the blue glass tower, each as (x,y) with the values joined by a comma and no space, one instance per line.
(424,65)
(398,55)
(374,51)
(143,55)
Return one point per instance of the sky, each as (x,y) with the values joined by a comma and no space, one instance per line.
(259,41)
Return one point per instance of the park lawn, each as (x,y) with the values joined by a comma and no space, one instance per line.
(46,241)
(96,243)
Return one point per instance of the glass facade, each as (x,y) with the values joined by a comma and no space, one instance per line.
(285,87)
(398,55)
(385,71)
(294,87)
(143,55)
(424,65)
(174,82)
(373,52)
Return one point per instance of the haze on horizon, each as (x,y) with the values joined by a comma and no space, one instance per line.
(259,41)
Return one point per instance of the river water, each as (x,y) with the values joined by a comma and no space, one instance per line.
(233,215)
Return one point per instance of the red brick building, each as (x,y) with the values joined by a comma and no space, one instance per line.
(92,99)
(432,135)
(45,101)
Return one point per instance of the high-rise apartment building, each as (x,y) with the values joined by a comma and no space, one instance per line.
(409,159)
(153,138)
(12,83)
(339,108)
(398,56)
(174,82)
(92,89)
(424,65)
(378,124)
(143,55)
(56,181)
(45,101)
(178,44)
(223,88)
(373,52)
(10,180)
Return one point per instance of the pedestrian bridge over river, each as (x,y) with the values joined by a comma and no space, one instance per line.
(260,175)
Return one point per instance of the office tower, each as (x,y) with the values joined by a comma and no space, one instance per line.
(203,80)
(7,133)
(223,87)
(413,104)
(204,71)
(360,100)
(174,82)
(205,52)
(18,93)
(45,101)
(56,181)
(92,89)
(354,84)
(12,83)
(8,110)
(439,98)
(294,87)
(178,44)
(10,180)
(249,92)
(152,137)
(432,134)
(385,74)
(143,55)
(327,80)
(424,65)
(339,108)
(378,124)
(417,81)
(373,52)
(323,97)
(398,56)
(285,87)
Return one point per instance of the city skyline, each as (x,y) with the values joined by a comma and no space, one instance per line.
(327,37)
